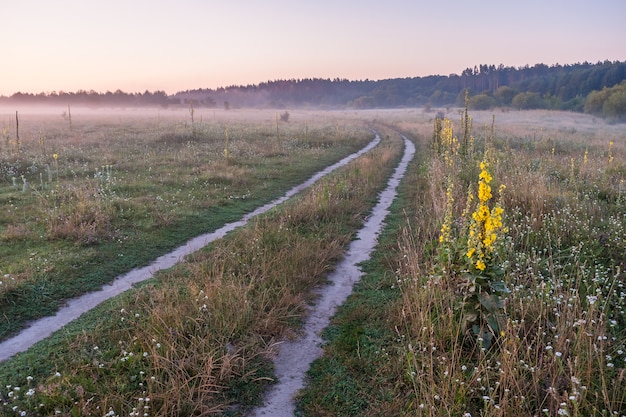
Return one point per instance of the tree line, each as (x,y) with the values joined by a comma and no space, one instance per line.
(93,98)
(563,87)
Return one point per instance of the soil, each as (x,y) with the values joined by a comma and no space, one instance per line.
(294,357)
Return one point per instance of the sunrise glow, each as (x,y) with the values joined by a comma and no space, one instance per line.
(139,45)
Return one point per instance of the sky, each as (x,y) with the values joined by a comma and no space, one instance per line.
(176,45)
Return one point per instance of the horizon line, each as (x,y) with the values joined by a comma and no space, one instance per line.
(499,66)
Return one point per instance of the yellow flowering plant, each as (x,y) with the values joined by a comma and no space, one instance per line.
(483,302)
(445,235)
(485,224)
(444,142)
(468,247)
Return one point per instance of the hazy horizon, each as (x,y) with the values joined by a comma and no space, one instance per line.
(257,83)
(72,45)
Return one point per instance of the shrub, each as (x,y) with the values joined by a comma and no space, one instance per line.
(481,102)
(527,100)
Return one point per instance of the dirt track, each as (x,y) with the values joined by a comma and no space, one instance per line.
(44,327)
(294,358)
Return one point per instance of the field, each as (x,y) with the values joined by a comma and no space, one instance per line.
(508,302)
(87,201)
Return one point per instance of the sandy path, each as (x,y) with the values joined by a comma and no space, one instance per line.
(44,327)
(294,358)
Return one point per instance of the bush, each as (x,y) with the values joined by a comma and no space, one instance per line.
(608,102)
(615,107)
(504,95)
(481,102)
(527,100)
(595,100)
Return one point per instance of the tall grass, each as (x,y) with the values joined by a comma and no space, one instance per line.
(561,348)
(198,339)
(561,344)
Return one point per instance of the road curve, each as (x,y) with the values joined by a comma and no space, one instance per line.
(44,327)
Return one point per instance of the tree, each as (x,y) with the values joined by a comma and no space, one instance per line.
(615,107)
(481,102)
(504,95)
(527,100)
(364,102)
(608,102)
(595,100)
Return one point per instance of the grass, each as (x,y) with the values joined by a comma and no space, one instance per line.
(113,193)
(401,346)
(197,339)
(356,375)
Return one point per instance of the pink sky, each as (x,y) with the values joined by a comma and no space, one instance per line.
(137,45)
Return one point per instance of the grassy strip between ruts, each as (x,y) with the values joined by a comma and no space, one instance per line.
(196,339)
(92,202)
(356,376)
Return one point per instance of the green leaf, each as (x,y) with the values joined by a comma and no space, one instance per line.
(500,287)
(487,339)
(491,302)
(494,323)
(471,317)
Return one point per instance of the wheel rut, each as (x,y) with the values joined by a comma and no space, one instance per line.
(294,357)
(42,328)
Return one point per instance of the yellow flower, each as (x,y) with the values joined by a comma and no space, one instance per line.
(480,265)
(481,214)
(484,175)
(489,240)
(486,222)
(55,156)
(446,228)
(484,191)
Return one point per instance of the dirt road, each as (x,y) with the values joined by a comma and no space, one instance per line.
(294,358)
(44,327)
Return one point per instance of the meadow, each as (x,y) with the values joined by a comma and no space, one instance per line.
(497,288)
(90,197)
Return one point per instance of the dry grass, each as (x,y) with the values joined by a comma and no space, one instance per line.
(198,340)
(401,345)
(207,326)
(561,351)
(118,189)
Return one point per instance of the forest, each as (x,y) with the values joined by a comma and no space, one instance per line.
(597,89)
